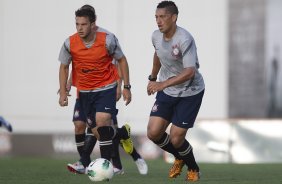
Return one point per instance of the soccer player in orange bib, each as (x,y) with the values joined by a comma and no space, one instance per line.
(90,51)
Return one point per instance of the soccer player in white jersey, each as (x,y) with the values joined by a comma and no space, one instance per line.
(180,89)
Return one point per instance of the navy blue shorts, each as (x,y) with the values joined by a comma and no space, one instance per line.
(78,114)
(180,111)
(101,101)
(114,118)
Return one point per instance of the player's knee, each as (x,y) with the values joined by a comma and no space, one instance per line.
(176,141)
(153,135)
(79,127)
(106,133)
(155,130)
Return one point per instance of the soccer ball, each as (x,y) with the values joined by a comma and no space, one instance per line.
(100,170)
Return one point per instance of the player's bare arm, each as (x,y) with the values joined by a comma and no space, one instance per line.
(69,83)
(185,75)
(119,83)
(124,69)
(63,78)
(155,71)
(68,86)
(156,66)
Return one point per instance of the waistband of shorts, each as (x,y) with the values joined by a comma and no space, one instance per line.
(109,86)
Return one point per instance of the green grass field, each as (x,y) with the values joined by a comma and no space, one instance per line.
(53,171)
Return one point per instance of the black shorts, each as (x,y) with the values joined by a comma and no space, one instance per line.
(78,114)
(180,111)
(114,118)
(101,101)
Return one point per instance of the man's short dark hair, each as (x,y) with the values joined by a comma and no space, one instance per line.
(87,6)
(169,6)
(86,11)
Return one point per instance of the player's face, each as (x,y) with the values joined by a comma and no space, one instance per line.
(83,26)
(165,20)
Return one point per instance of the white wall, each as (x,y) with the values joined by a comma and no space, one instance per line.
(32,32)
(274,45)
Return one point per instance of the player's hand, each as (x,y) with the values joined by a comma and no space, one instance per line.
(150,90)
(154,87)
(126,96)
(63,100)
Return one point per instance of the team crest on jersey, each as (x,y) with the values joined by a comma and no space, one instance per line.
(76,114)
(155,108)
(176,51)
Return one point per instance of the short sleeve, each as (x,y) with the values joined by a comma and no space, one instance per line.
(189,50)
(64,55)
(113,47)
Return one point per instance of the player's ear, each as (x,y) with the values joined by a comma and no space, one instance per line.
(93,24)
(174,17)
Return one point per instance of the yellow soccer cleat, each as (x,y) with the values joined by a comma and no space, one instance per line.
(176,168)
(192,175)
(127,144)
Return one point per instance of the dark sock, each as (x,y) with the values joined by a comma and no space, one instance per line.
(89,143)
(106,143)
(166,145)
(186,153)
(135,155)
(85,159)
(122,133)
(115,154)
(79,141)
(106,148)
